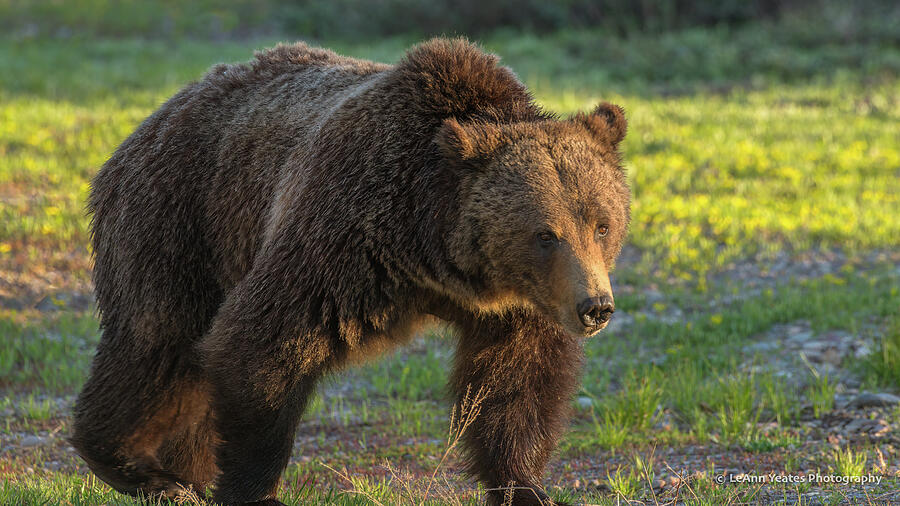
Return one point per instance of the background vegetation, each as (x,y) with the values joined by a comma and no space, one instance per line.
(364,20)
(758,297)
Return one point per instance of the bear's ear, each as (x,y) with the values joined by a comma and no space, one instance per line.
(467,143)
(607,122)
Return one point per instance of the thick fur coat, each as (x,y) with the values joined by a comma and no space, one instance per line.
(280,219)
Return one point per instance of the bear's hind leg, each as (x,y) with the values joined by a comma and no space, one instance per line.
(188,451)
(120,420)
(167,450)
(157,294)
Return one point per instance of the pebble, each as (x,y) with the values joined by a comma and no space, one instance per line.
(855,425)
(763,346)
(60,301)
(48,304)
(814,346)
(881,428)
(799,337)
(29,441)
(862,350)
(873,400)
(585,402)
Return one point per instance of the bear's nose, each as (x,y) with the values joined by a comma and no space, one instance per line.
(596,310)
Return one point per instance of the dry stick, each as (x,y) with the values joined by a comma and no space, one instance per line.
(868,499)
(353,490)
(508,496)
(677,485)
(647,474)
(797,487)
(469,409)
(882,465)
(405,481)
(886,495)
(508,491)
(444,493)
(681,481)
(188,495)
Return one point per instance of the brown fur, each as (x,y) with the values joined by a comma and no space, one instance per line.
(276,220)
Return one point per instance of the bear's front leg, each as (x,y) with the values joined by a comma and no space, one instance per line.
(529,369)
(262,361)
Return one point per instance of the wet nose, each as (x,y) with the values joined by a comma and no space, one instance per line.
(596,310)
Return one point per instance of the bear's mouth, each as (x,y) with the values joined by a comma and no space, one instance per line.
(592,331)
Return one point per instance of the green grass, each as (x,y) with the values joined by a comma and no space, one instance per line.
(78,491)
(716,177)
(821,393)
(744,146)
(882,367)
(48,354)
(848,463)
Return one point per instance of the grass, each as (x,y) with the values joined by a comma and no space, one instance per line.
(47,354)
(821,393)
(848,463)
(752,171)
(746,148)
(882,367)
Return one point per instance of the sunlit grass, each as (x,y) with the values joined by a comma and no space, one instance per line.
(716,178)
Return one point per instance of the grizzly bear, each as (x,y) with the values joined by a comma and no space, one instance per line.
(280,219)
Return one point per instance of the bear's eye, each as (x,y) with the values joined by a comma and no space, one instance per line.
(602,230)
(546,238)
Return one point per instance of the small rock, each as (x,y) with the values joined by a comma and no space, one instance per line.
(59,301)
(50,303)
(11,303)
(880,429)
(29,441)
(873,400)
(585,402)
(762,346)
(814,346)
(798,337)
(856,425)
(53,465)
(814,357)
(833,356)
(863,350)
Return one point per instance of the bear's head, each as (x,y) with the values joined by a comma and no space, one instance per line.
(544,209)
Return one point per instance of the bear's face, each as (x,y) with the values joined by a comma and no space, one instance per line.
(544,212)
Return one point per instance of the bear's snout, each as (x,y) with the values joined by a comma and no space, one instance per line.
(596,311)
